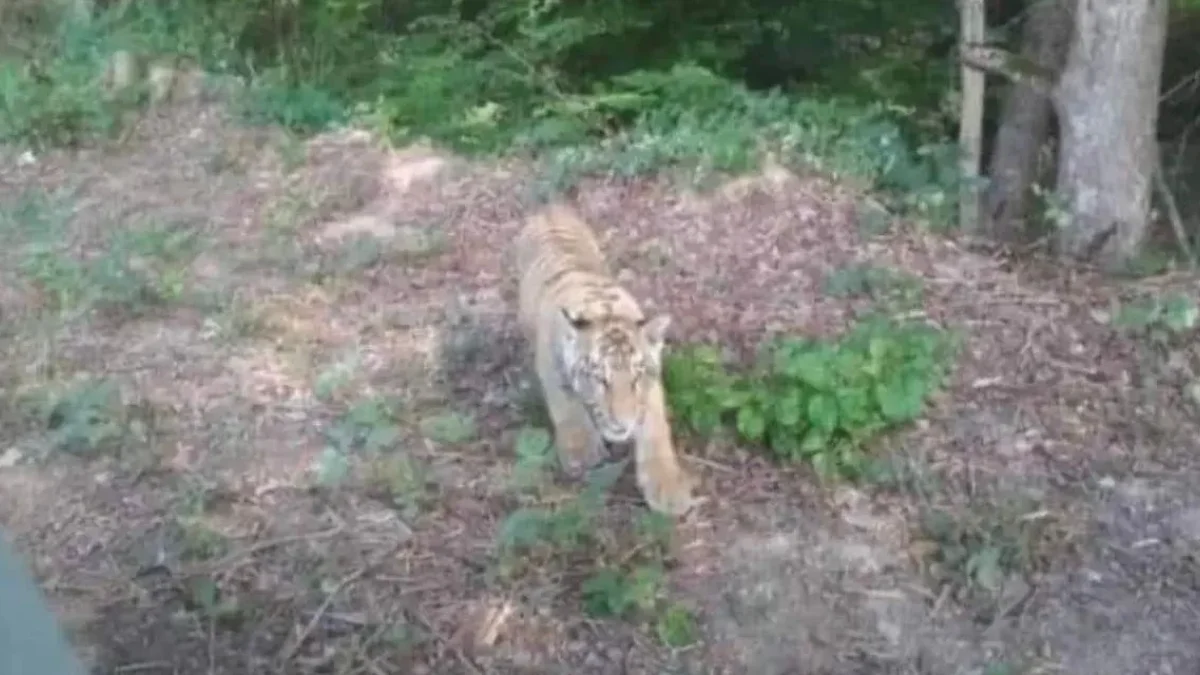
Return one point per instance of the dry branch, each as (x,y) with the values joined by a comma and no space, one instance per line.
(996,61)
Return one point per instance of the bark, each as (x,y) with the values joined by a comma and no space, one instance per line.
(970,135)
(1108,113)
(1025,122)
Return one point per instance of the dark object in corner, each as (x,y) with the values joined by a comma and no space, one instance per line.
(31,641)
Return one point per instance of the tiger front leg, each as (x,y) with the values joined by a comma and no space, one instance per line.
(579,445)
(666,486)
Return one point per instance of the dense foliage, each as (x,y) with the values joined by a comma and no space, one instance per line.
(615,86)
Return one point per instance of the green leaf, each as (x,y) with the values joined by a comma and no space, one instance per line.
(983,567)
(381,437)
(533,444)
(645,586)
(523,528)
(599,481)
(535,454)
(605,593)
(449,428)
(341,436)
(655,528)
(785,444)
(1136,315)
(332,466)
(676,627)
(730,398)
(901,399)
(851,462)
(815,441)
(1180,313)
(823,412)
(810,367)
(751,423)
(822,463)
(854,407)
(789,409)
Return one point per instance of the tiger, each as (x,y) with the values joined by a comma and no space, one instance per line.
(597,357)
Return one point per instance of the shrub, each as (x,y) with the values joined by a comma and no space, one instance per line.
(812,399)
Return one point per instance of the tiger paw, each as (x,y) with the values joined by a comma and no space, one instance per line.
(579,453)
(667,488)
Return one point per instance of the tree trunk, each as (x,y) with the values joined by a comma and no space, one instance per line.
(972,27)
(1108,112)
(1025,123)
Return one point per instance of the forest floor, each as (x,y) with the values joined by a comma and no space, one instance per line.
(251,299)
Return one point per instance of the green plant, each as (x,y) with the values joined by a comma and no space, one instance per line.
(197,539)
(298,107)
(676,626)
(882,284)
(610,592)
(203,595)
(449,428)
(400,480)
(812,399)
(336,377)
(625,583)
(90,417)
(85,418)
(54,94)
(688,118)
(562,527)
(535,458)
(1160,318)
(200,542)
(367,426)
(639,591)
(135,269)
(978,548)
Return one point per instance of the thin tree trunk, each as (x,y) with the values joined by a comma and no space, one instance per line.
(970,136)
(1108,113)
(1025,123)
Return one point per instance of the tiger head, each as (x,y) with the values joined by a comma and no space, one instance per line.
(609,363)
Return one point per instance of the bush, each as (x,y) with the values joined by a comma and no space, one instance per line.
(616,88)
(814,400)
(57,99)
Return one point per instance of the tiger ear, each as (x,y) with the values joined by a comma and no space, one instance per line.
(655,330)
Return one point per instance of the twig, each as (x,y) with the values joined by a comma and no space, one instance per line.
(1192,80)
(143,667)
(452,646)
(228,561)
(1072,367)
(1014,607)
(290,650)
(711,464)
(941,600)
(1160,183)
(361,651)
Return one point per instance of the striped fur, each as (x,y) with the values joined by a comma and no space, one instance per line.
(598,357)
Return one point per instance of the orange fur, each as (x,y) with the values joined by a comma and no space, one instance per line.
(598,357)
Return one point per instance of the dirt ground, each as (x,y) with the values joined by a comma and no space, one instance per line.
(333,270)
